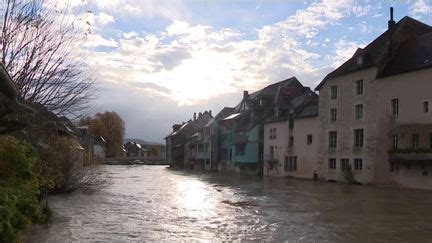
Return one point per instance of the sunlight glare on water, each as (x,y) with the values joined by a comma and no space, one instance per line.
(153,203)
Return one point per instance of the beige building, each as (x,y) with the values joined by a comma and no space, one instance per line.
(375,111)
(290,135)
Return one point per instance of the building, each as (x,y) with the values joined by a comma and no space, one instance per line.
(291,134)
(94,146)
(243,129)
(197,150)
(181,143)
(375,110)
(156,151)
(219,145)
(136,151)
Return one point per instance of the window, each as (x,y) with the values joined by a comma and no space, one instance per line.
(359,60)
(333,94)
(425,106)
(358,164)
(272,133)
(395,141)
(290,163)
(359,87)
(200,147)
(415,140)
(358,137)
(332,139)
(359,112)
(344,163)
(309,139)
(276,111)
(332,164)
(395,107)
(430,140)
(272,153)
(291,141)
(240,149)
(291,120)
(333,114)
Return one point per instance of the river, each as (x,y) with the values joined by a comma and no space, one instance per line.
(154,203)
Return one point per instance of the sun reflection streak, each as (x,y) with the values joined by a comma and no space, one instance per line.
(194,197)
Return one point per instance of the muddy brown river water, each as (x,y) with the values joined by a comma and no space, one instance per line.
(154,203)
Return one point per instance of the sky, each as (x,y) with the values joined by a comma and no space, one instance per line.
(157,62)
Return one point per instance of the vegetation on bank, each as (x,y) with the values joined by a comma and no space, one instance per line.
(20,189)
(110,126)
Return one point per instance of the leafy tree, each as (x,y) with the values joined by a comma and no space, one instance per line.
(110,126)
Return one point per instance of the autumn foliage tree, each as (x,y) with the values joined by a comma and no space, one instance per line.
(110,126)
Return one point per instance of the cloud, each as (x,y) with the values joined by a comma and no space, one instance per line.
(95,40)
(344,51)
(104,19)
(308,22)
(193,63)
(146,9)
(420,7)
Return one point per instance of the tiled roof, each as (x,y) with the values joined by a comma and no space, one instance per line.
(403,48)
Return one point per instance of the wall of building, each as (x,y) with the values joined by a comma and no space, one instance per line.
(251,151)
(280,143)
(307,154)
(346,123)
(411,89)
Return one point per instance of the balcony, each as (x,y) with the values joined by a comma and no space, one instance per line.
(410,155)
(202,155)
(270,159)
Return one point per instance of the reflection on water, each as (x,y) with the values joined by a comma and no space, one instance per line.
(154,203)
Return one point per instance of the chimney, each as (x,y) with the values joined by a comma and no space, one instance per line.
(194,118)
(245,95)
(176,127)
(210,113)
(391,22)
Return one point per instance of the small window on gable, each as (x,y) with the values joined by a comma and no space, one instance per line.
(426,106)
(359,60)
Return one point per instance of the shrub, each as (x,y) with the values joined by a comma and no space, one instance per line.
(348,174)
(19,189)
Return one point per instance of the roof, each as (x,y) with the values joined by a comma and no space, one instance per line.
(285,96)
(302,103)
(141,141)
(404,47)
(7,87)
(192,125)
(412,55)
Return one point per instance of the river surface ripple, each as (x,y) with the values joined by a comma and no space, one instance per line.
(154,203)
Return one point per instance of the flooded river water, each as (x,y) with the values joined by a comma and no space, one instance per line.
(153,203)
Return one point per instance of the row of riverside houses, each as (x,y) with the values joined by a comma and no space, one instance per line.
(372,120)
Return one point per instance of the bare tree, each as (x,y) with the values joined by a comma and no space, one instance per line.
(39,44)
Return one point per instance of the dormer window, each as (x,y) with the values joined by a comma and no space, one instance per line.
(359,60)
(276,112)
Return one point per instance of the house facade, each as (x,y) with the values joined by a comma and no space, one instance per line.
(291,135)
(243,129)
(182,143)
(374,110)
